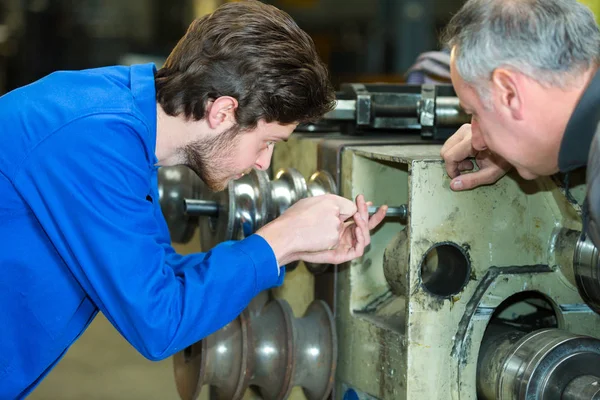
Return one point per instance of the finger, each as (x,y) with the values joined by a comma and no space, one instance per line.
(363,208)
(377,217)
(347,208)
(465,165)
(484,176)
(456,156)
(456,138)
(359,248)
(364,227)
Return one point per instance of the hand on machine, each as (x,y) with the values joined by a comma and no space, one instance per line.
(456,151)
(327,229)
(303,218)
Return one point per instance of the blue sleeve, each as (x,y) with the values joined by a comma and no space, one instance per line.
(87,185)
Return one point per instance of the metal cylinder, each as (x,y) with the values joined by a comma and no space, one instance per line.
(498,342)
(587,272)
(220,360)
(266,348)
(201,208)
(539,365)
(583,388)
(288,187)
(174,185)
(448,112)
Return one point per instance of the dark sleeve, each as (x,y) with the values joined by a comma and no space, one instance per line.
(87,185)
(592,207)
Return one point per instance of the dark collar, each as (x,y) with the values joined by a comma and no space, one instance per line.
(581,128)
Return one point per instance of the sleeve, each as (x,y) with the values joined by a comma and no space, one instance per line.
(591,207)
(87,185)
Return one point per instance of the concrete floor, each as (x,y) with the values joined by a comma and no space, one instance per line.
(102,365)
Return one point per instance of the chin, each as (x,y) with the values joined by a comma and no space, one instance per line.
(527,175)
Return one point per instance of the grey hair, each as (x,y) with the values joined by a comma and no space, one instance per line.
(551,41)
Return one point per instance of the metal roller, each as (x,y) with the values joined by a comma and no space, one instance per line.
(174,185)
(548,364)
(267,349)
(578,259)
(220,360)
(248,204)
(587,272)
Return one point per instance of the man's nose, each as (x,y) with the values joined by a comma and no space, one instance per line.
(264,159)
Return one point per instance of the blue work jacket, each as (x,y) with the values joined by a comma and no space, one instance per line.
(81,229)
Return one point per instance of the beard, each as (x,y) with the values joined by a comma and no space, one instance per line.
(209,158)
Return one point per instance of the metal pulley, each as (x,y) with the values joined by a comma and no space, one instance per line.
(548,364)
(266,348)
(247,205)
(174,185)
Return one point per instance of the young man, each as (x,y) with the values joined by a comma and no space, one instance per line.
(526,70)
(81,226)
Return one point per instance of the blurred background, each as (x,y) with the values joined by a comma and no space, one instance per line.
(359,40)
(362,40)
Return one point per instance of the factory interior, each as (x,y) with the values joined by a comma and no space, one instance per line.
(458,296)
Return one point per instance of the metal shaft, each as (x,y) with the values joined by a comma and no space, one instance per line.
(200,208)
(585,387)
(207,208)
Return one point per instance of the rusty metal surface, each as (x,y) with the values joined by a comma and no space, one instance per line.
(400,341)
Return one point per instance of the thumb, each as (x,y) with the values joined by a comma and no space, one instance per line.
(347,207)
(475,179)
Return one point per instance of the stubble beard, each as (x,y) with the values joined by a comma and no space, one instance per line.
(211,159)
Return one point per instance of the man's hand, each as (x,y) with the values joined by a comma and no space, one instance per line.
(455,152)
(317,229)
(353,239)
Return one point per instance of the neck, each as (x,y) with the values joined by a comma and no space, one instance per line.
(561,102)
(171,133)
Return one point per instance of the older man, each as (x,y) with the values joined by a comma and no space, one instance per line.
(526,70)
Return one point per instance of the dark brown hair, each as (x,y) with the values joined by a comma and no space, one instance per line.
(254,53)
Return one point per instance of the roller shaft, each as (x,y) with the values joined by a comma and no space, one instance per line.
(207,208)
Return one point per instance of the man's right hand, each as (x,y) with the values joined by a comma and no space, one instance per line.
(456,151)
(312,224)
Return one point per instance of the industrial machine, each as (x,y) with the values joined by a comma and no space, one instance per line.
(492,293)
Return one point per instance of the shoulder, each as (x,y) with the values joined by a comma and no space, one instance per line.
(88,107)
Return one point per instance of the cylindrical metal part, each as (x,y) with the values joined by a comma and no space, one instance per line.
(563,245)
(587,272)
(220,360)
(399,211)
(201,208)
(315,351)
(448,113)
(207,208)
(288,187)
(394,110)
(174,185)
(273,344)
(583,388)
(498,342)
(267,348)
(540,365)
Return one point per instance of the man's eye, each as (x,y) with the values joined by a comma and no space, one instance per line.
(269,144)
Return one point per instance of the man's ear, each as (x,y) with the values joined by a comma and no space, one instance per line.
(508,91)
(221,111)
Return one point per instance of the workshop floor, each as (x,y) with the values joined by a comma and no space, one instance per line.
(101,365)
